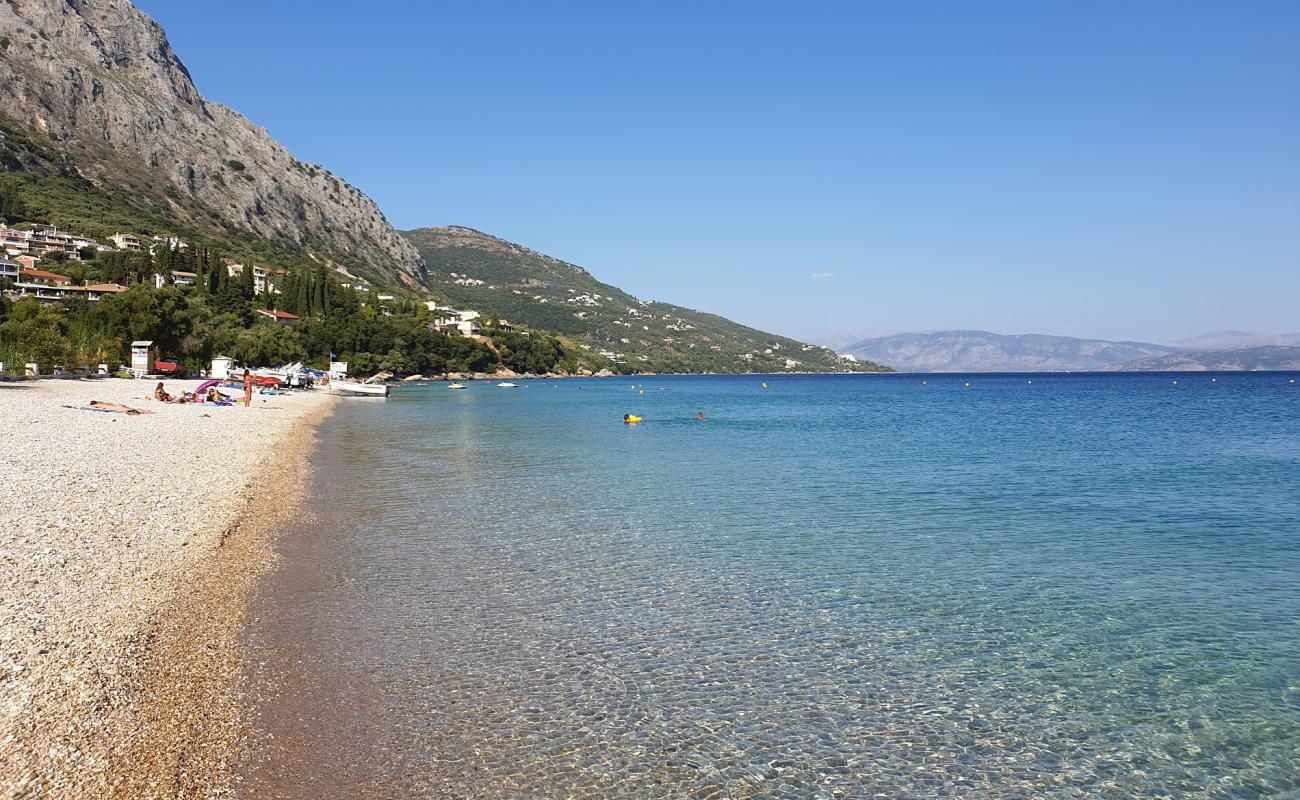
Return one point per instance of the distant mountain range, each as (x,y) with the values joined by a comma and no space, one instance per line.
(1268,357)
(1237,340)
(981,351)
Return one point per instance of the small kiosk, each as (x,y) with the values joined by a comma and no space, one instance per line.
(143,355)
(222,366)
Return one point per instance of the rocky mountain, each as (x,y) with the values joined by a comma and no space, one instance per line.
(980,351)
(98,81)
(1268,357)
(483,272)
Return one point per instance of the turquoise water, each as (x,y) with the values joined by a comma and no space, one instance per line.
(851,586)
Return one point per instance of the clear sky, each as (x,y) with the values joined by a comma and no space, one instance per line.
(1113,169)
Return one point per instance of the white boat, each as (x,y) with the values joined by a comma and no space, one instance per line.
(457,386)
(358,389)
(507,385)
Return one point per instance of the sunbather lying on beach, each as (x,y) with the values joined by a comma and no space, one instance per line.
(97,405)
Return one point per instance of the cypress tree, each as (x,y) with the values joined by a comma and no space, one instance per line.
(318,293)
(289,293)
(216,272)
(246,283)
(304,295)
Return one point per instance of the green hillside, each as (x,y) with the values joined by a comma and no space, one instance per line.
(478,271)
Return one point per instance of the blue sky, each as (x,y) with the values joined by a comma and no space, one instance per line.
(1110,169)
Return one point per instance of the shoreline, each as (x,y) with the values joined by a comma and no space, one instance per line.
(131,546)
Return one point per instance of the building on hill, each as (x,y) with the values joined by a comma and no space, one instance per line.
(51,292)
(449,320)
(264,279)
(126,241)
(167,241)
(9,269)
(93,292)
(177,278)
(45,278)
(41,240)
(27,261)
(280,317)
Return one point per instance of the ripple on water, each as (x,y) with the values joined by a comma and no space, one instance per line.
(855,588)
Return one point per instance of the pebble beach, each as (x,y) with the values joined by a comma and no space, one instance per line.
(128,544)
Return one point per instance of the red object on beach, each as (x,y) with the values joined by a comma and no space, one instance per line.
(169,366)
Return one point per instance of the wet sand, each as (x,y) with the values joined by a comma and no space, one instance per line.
(129,547)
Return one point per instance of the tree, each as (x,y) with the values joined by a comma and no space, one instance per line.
(12,207)
(246,282)
(172,319)
(36,331)
(264,344)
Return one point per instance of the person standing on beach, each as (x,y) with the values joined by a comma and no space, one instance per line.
(248,389)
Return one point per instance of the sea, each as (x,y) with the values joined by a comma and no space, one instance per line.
(848,586)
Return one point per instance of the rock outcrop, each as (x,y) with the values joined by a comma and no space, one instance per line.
(99,79)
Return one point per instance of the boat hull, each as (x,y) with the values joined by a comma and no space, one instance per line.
(353,389)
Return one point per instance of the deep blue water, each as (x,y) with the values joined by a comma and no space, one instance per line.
(835,586)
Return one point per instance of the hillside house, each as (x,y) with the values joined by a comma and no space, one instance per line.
(449,320)
(9,269)
(264,279)
(41,240)
(167,241)
(126,241)
(44,278)
(279,317)
(177,278)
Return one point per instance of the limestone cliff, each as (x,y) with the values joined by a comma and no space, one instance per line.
(99,79)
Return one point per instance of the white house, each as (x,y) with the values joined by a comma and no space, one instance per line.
(126,241)
(264,279)
(178,278)
(463,322)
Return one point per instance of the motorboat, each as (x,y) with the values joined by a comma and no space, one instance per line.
(358,389)
(457,386)
(507,385)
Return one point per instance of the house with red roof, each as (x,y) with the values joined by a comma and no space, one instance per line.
(281,317)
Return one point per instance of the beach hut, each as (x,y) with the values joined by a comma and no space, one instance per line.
(143,354)
(221,367)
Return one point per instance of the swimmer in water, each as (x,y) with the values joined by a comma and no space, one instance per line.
(699,416)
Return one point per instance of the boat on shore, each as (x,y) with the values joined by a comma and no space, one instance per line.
(357,389)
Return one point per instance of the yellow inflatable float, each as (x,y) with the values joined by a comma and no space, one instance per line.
(630,418)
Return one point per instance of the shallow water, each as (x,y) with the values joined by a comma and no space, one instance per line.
(852,586)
